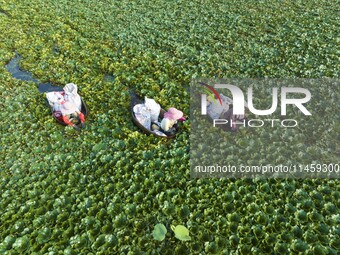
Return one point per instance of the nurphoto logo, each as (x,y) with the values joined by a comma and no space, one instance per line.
(239,105)
(264,127)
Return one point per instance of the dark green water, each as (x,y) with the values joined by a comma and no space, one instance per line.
(109,78)
(14,68)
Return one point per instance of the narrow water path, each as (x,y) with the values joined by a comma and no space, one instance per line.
(14,68)
(108,78)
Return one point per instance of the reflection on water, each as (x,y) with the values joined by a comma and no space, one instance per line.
(14,68)
(108,77)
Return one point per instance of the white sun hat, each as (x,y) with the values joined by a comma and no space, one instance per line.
(68,108)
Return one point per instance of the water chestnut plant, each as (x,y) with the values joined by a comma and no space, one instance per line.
(105,189)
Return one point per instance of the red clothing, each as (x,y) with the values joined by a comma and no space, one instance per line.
(68,122)
(82,117)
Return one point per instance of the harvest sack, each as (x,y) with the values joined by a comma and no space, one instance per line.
(153,108)
(142,115)
(54,99)
(69,94)
(72,95)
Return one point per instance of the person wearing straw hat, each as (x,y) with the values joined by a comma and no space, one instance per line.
(169,122)
(70,114)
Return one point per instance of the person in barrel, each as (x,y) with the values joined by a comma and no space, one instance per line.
(169,124)
(71,115)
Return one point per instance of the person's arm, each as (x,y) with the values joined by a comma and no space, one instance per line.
(81,117)
(66,120)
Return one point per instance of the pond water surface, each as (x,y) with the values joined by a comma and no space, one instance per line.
(14,68)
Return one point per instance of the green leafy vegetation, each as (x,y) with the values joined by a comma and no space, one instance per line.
(181,232)
(103,190)
(159,232)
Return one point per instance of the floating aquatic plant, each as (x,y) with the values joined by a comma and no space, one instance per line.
(103,192)
(159,232)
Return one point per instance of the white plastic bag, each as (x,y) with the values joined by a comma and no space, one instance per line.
(157,132)
(142,115)
(54,99)
(153,108)
(71,94)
